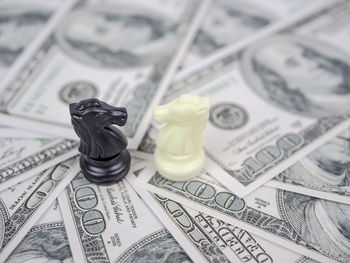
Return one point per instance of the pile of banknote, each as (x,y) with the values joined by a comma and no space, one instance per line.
(275,186)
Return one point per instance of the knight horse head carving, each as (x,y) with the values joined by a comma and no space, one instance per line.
(179,153)
(93,122)
(185,118)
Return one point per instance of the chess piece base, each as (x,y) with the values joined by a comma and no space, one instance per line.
(106,171)
(179,168)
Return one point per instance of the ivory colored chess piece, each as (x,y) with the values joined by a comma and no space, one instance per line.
(179,153)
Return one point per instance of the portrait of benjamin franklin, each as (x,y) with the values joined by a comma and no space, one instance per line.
(324,225)
(43,243)
(228,22)
(117,36)
(18,26)
(328,167)
(300,75)
(163,249)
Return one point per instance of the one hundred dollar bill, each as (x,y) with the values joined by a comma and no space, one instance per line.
(310,226)
(113,224)
(45,242)
(21,158)
(23,204)
(124,53)
(230,24)
(207,239)
(274,102)
(17,133)
(324,173)
(20,22)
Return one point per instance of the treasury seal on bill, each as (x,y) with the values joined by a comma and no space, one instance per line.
(77,91)
(228,116)
(298,74)
(118,36)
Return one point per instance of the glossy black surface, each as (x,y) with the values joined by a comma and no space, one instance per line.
(104,157)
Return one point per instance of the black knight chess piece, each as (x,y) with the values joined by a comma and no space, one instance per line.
(104,158)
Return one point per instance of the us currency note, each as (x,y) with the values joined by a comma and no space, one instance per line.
(231,24)
(124,53)
(274,102)
(45,242)
(324,173)
(310,226)
(23,204)
(17,133)
(20,22)
(21,158)
(112,224)
(208,239)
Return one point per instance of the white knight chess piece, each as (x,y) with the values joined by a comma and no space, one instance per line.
(179,153)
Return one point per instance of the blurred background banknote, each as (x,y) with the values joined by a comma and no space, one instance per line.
(250,20)
(127,61)
(21,21)
(288,104)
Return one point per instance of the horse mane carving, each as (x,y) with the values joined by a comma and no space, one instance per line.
(185,119)
(93,122)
